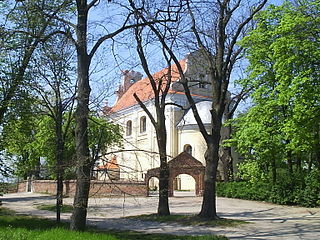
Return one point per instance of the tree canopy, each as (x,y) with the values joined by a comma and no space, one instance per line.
(280,131)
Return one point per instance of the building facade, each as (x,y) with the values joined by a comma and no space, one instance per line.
(139,151)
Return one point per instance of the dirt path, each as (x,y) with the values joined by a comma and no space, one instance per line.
(267,221)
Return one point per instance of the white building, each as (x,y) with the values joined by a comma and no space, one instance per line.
(139,151)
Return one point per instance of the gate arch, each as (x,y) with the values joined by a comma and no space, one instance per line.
(183,163)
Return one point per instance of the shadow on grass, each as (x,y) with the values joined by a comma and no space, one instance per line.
(8,218)
(27,227)
(129,235)
(52,207)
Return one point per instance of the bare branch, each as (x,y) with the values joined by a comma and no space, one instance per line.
(92,3)
(238,31)
(143,106)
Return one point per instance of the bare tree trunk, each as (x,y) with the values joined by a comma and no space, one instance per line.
(317,147)
(274,171)
(163,206)
(225,155)
(59,160)
(290,163)
(78,219)
(209,206)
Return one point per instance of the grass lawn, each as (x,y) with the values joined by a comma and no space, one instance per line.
(190,220)
(52,207)
(18,227)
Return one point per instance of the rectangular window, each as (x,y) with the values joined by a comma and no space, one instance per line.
(143,124)
(129,128)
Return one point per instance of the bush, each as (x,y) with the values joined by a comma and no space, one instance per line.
(311,192)
(303,191)
(243,190)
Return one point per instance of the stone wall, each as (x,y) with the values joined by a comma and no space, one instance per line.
(98,188)
(22,186)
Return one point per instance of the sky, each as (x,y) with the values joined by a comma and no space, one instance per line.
(121,56)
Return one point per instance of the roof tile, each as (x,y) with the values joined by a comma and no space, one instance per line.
(143,88)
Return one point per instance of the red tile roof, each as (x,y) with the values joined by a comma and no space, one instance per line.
(143,88)
(110,165)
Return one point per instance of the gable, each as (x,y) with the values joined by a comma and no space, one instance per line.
(184,160)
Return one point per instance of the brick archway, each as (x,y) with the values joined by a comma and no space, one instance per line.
(184,163)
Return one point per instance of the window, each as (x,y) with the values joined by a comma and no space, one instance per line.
(188,149)
(129,128)
(143,124)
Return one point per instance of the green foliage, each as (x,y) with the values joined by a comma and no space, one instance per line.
(29,138)
(17,137)
(52,207)
(23,27)
(279,134)
(243,190)
(311,192)
(251,171)
(303,191)
(101,135)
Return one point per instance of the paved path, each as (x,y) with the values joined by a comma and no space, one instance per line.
(267,221)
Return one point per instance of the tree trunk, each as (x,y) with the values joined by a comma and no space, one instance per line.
(163,206)
(209,209)
(84,163)
(274,171)
(290,163)
(59,160)
(225,155)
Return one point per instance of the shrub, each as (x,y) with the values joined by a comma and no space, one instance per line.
(300,190)
(311,193)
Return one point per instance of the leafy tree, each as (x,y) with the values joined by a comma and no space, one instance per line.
(29,138)
(22,30)
(56,89)
(18,136)
(281,129)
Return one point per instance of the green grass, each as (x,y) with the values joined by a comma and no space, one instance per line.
(18,227)
(52,207)
(190,220)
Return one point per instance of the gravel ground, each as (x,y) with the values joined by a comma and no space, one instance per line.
(267,221)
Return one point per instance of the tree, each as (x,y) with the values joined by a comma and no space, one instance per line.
(283,53)
(23,34)
(217,44)
(84,60)
(18,136)
(22,30)
(52,82)
(225,151)
(281,129)
(160,87)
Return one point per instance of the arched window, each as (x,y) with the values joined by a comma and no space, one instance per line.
(188,149)
(143,124)
(129,128)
